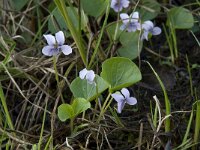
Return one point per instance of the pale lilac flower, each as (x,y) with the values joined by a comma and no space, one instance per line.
(56,45)
(117,5)
(88,75)
(130,23)
(123,98)
(148,27)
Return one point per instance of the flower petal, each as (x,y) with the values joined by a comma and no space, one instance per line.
(90,76)
(49,51)
(131,100)
(125,3)
(60,38)
(145,35)
(134,16)
(125,92)
(156,31)
(123,27)
(66,49)
(113,3)
(118,97)
(50,39)
(83,73)
(124,17)
(120,106)
(147,25)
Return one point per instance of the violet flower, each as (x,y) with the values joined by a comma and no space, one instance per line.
(123,98)
(88,75)
(130,23)
(148,27)
(56,45)
(117,5)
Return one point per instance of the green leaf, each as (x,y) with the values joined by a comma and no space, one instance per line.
(129,48)
(65,111)
(94,8)
(120,72)
(18,4)
(80,88)
(79,105)
(180,18)
(129,51)
(149,9)
(56,21)
(111,30)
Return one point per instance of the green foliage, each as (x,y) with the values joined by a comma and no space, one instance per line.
(67,111)
(120,72)
(149,9)
(197,125)
(94,8)
(19,4)
(80,88)
(131,45)
(111,30)
(56,21)
(180,18)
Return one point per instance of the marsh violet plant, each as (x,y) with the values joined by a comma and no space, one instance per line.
(89,75)
(130,23)
(118,5)
(123,98)
(149,28)
(56,45)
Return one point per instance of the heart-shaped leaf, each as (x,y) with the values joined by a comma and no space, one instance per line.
(19,4)
(180,18)
(81,88)
(111,30)
(129,41)
(120,72)
(131,45)
(94,8)
(149,9)
(66,111)
(56,21)
(79,105)
(129,51)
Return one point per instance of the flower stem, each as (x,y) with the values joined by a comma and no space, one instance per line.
(106,104)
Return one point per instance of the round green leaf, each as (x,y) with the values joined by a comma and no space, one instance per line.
(79,105)
(149,9)
(129,51)
(94,8)
(80,88)
(111,30)
(120,72)
(18,4)
(65,111)
(180,18)
(56,21)
(129,48)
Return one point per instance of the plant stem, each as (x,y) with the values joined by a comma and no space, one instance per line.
(72,125)
(167,102)
(75,34)
(104,107)
(197,125)
(190,76)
